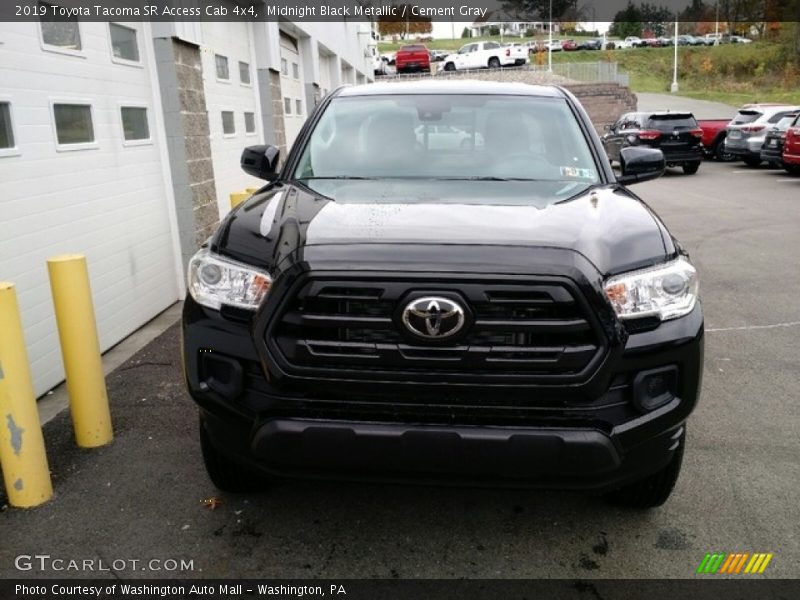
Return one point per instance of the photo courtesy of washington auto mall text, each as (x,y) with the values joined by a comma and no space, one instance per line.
(399,299)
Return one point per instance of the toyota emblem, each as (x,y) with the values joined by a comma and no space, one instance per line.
(433,317)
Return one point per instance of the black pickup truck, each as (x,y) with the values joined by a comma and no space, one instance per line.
(502,311)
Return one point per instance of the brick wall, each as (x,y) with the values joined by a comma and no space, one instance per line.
(180,72)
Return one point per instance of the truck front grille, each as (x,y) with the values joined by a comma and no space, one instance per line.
(519,331)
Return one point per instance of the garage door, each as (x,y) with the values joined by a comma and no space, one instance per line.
(84,175)
(294,104)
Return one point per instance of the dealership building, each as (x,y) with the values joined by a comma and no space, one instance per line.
(121,141)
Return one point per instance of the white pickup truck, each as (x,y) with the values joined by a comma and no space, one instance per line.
(478,55)
(631,41)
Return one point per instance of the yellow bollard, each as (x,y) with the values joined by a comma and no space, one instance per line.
(237,198)
(22,453)
(80,349)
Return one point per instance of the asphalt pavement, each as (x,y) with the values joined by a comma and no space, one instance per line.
(142,497)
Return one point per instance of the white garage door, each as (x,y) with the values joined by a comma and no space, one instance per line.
(325,67)
(84,175)
(294,104)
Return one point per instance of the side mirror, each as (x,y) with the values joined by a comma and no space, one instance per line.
(640,164)
(261,162)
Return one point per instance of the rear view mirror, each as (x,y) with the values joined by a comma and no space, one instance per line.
(261,162)
(640,164)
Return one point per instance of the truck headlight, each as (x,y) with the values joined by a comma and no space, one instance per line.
(667,291)
(214,281)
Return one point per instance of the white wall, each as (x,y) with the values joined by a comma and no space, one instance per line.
(234,41)
(108,201)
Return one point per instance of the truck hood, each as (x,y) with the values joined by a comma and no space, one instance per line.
(608,226)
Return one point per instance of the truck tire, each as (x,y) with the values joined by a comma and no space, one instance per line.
(690,168)
(449,67)
(719,151)
(226,474)
(653,490)
(494,63)
(792,169)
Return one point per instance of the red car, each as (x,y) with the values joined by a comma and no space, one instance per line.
(714,131)
(569,45)
(791,148)
(411,58)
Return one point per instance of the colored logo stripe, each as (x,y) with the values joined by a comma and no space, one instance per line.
(723,563)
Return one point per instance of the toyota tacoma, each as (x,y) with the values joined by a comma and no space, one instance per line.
(502,313)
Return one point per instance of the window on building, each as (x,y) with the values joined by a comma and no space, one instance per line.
(222,67)
(6,131)
(284,67)
(63,33)
(123,42)
(287,106)
(298,105)
(249,122)
(134,123)
(244,72)
(295,71)
(73,123)
(228,124)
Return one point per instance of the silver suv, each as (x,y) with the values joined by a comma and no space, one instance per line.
(746,132)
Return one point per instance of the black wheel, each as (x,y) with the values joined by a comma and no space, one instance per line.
(751,161)
(719,151)
(494,63)
(653,490)
(449,67)
(226,474)
(792,169)
(690,168)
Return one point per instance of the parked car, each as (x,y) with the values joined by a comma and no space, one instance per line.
(380,312)
(690,40)
(569,45)
(791,148)
(676,134)
(438,55)
(713,39)
(738,39)
(593,44)
(446,137)
(412,58)
(652,42)
(554,46)
(713,140)
(772,150)
(389,58)
(746,132)
(479,55)
(631,41)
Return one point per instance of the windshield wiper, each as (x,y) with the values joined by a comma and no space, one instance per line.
(332,177)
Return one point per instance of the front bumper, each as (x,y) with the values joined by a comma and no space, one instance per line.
(791,159)
(530,435)
(744,148)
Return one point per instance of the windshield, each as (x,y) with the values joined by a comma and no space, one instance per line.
(671,121)
(785,122)
(746,116)
(525,146)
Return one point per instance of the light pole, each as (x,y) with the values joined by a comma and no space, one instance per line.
(550,41)
(674,87)
(716,28)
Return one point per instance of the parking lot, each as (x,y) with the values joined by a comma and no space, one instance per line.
(142,497)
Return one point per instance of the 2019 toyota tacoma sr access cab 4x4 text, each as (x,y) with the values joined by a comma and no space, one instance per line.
(504,312)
